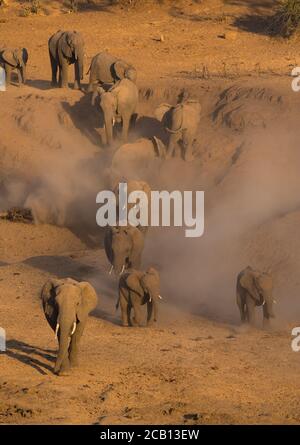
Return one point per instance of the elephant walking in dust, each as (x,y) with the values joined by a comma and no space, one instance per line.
(106,69)
(123,247)
(14,59)
(254,289)
(117,105)
(67,304)
(137,288)
(181,122)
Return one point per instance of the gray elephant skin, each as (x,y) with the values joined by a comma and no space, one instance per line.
(181,122)
(66,48)
(137,288)
(119,104)
(123,247)
(14,59)
(67,304)
(254,289)
(106,69)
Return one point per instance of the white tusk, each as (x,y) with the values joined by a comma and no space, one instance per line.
(264,302)
(123,268)
(150,299)
(111,269)
(113,121)
(56,330)
(74,328)
(274,301)
(160,297)
(124,207)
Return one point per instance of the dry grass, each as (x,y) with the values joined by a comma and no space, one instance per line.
(286,21)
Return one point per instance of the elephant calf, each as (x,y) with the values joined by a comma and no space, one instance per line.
(14,59)
(67,304)
(137,288)
(253,289)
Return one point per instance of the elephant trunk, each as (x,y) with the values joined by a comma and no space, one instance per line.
(80,64)
(67,326)
(108,120)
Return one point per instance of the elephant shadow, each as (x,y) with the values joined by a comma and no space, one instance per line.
(23,352)
(147,127)
(39,84)
(86,118)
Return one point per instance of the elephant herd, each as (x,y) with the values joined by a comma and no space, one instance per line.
(112,84)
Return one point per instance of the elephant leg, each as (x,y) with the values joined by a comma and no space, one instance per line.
(241,305)
(151,313)
(8,70)
(77,77)
(171,145)
(137,319)
(250,304)
(125,127)
(125,309)
(187,146)
(74,345)
(54,68)
(20,80)
(266,316)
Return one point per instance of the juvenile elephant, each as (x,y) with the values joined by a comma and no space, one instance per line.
(137,288)
(133,186)
(106,69)
(253,289)
(67,304)
(66,48)
(14,59)
(123,247)
(117,105)
(181,122)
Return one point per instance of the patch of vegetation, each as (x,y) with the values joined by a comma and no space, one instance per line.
(286,20)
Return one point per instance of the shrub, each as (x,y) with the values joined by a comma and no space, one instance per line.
(287,18)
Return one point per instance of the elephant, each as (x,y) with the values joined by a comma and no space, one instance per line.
(66,48)
(117,105)
(67,304)
(133,186)
(106,69)
(123,247)
(253,289)
(181,122)
(137,288)
(14,59)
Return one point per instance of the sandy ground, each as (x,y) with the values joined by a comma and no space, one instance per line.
(197,365)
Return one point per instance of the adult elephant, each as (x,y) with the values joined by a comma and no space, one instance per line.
(254,289)
(14,59)
(137,288)
(67,304)
(117,105)
(66,48)
(123,247)
(106,69)
(181,122)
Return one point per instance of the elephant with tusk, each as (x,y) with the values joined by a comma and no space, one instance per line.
(137,288)
(67,304)
(123,247)
(254,289)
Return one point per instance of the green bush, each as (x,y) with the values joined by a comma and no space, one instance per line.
(286,20)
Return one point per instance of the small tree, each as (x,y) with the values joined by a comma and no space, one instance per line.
(287,18)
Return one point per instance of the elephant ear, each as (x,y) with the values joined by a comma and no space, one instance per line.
(88,302)
(48,296)
(133,282)
(161,111)
(9,57)
(65,45)
(120,68)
